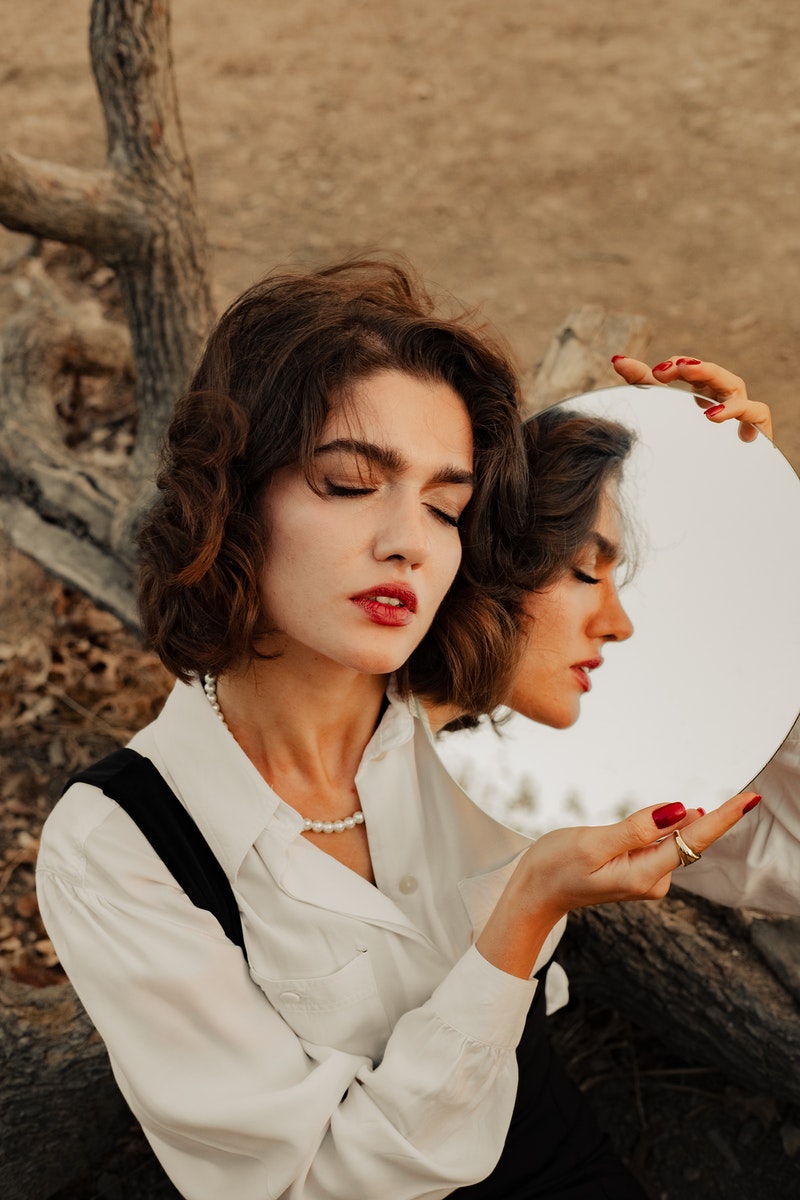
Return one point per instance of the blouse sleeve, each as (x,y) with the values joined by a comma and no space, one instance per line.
(757,864)
(233,1103)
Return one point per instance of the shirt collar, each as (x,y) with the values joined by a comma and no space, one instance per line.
(230,801)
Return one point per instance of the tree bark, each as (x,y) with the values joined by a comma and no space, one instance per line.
(137,215)
(60,1109)
(578,357)
(695,974)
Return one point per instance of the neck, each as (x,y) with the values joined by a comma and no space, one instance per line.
(304,731)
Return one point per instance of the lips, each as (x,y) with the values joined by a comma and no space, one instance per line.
(581,671)
(387,604)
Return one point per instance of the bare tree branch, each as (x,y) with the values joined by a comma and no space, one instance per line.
(64,204)
(137,215)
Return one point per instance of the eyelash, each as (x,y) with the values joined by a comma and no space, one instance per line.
(335,489)
(582,577)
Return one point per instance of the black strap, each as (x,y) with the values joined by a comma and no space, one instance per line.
(138,786)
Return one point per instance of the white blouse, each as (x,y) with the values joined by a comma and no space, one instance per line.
(368,1051)
(757,863)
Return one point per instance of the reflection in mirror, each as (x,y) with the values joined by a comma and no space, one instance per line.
(697,701)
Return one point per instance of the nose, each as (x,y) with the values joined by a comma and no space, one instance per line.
(403,531)
(612,621)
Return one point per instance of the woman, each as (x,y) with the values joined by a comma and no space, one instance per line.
(335,470)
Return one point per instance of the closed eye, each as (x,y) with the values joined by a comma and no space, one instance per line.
(341,490)
(446,517)
(583,577)
(337,489)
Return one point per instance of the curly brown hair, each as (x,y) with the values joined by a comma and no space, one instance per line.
(571,459)
(284,352)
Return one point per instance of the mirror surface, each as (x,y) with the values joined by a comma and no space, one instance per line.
(700,698)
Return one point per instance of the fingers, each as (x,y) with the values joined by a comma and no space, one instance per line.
(699,835)
(632,370)
(644,841)
(726,392)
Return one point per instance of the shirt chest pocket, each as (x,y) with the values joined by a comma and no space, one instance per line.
(342,1010)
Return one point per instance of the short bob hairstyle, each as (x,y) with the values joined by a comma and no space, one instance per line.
(571,460)
(281,356)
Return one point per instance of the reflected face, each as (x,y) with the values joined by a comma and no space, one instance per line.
(570,623)
(358,564)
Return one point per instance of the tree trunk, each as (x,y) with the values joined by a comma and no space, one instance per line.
(578,357)
(704,978)
(137,215)
(60,1109)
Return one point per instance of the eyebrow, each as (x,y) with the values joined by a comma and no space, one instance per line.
(389,460)
(609,552)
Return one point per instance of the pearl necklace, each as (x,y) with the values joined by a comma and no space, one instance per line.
(309,826)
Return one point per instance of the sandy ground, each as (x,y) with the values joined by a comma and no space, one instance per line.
(527,157)
(531,157)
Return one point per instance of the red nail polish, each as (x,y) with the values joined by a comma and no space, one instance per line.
(751,804)
(668,814)
(663,366)
(702,812)
(716,408)
(687,362)
(617,357)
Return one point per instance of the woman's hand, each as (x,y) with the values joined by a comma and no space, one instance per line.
(572,868)
(726,393)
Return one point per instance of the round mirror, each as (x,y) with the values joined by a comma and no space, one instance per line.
(697,701)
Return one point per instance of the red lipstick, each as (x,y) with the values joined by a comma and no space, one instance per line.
(581,671)
(387,604)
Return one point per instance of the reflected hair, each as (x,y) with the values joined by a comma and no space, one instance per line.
(571,460)
(279,359)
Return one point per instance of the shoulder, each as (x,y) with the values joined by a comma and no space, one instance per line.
(89,841)
(87,830)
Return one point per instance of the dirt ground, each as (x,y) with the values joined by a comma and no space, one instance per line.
(527,157)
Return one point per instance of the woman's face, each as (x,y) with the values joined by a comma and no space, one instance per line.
(569,625)
(355,574)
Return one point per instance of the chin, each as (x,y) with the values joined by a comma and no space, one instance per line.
(553,717)
(375,664)
(562,720)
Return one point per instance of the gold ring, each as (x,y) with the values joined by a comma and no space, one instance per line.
(685,853)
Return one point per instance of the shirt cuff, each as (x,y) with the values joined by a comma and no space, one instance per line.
(484,1003)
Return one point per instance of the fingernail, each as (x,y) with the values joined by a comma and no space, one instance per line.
(687,362)
(617,357)
(751,804)
(663,366)
(668,814)
(716,408)
(702,812)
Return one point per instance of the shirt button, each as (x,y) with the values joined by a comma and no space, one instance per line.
(408,884)
(290,997)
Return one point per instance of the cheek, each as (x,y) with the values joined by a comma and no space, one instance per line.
(448,562)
